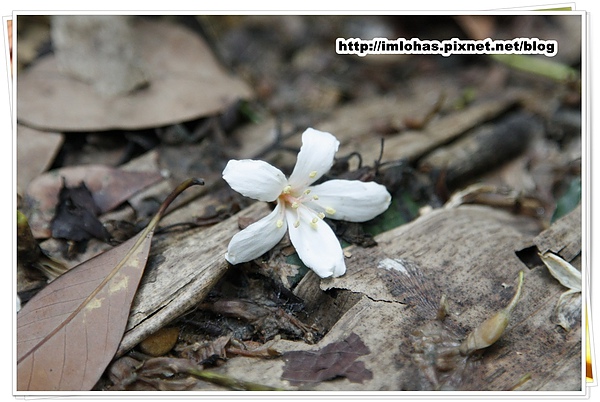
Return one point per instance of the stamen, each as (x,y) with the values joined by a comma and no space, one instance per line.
(307,191)
(297,223)
(295,205)
(313,223)
(279,223)
(321,215)
(330,211)
(312,174)
(315,197)
(315,220)
(287,189)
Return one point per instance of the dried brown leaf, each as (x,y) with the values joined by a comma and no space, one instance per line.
(185,82)
(109,186)
(35,152)
(337,359)
(200,353)
(568,307)
(166,366)
(99,49)
(123,371)
(76,216)
(69,332)
(565,273)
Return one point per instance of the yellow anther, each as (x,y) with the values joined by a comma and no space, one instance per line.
(321,215)
(297,223)
(287,189)
(315,197)
(312,174)
(313,224)
(307,191)
(295,205)
(279,223)
(330,211)
(315,220)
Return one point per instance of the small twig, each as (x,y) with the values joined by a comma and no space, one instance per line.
(175,226)
(378,161)
(230,382)
(280,137)
(521,381)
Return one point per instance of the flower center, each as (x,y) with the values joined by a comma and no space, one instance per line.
(296,202)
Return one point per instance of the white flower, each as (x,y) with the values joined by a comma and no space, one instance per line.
(302,207)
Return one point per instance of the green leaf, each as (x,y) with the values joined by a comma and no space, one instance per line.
(401,210)
(543,67)
(569,200)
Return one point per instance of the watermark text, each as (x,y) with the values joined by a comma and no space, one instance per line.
(363,47)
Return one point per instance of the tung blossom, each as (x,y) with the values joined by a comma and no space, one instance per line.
(301,207)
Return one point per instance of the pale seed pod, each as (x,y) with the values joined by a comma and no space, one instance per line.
(489,331)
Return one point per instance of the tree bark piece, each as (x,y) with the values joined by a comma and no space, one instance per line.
(354,126)
(563,237)
(483,148)
(467,254)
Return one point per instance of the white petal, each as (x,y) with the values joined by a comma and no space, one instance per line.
(255,179)
(316,244)
(314,159)
(352,200)
(257,238)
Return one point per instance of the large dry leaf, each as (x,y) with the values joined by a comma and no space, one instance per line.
(185,83)
(35,152)
(109,186)
(69,332)
(99,49)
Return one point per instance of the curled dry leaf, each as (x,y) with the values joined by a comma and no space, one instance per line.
(69,332)
(29,252)
(123,372)
(168,374)
(265,321)
(76,216)
(565,273)
(109,187)
(494,196)
(201,353)
(568,307)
